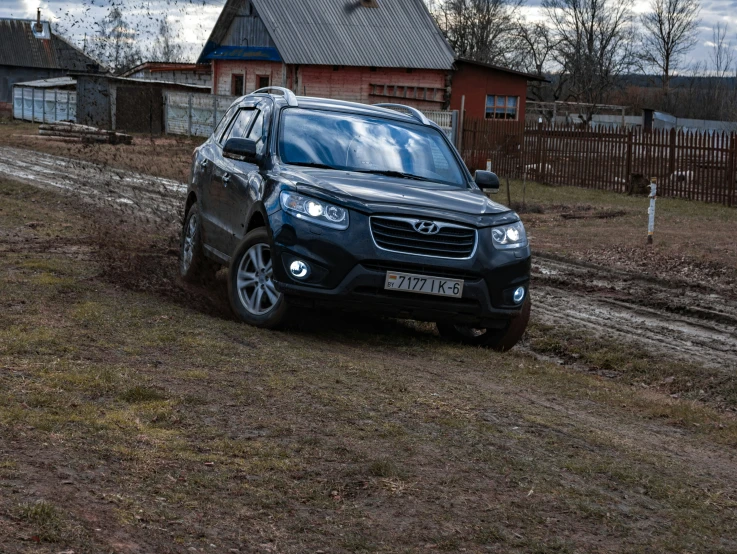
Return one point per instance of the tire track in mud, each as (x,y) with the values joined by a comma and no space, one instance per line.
(672,318)
(123,190)
(681,319)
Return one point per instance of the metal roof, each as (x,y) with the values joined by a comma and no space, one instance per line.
(56,82)
(20,47)
(397,33)
(528,76)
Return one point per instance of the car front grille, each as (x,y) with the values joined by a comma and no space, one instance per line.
(400,234)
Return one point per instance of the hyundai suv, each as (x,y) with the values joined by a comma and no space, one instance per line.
(312,202)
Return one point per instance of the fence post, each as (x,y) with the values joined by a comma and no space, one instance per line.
(672,152)
(628,168)
(56,109)
(33,105)
(23,103)
(69,116)
(732,170)
(214,112)
(189,115)
(43,106)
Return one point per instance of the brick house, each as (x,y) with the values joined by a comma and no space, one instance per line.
(491,92)
(366,51)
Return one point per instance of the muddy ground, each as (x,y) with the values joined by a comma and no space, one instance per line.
(137,416)
(692,317)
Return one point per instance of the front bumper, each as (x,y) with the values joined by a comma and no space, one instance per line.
(349,270)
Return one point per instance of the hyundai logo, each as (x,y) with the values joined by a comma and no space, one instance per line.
(426,227)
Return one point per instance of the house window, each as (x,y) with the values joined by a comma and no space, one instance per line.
(236,84)
(501,107)
(263,81)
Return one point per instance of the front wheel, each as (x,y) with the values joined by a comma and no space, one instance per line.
(253,295)
(496,339)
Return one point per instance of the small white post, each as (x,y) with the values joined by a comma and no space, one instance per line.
(189,115)
(651,210)
(488,164)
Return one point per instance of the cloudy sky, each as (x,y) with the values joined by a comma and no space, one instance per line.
(194,19)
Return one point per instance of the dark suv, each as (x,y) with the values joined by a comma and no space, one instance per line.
(315,202)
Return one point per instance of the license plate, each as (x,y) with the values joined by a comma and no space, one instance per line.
(422,284)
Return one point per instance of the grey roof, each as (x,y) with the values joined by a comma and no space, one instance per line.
(55,82)
(397,33)
(19,47)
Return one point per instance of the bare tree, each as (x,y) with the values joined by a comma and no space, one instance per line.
(670,32)
(594,46)
(165,47)
(482,30)
(114,43)
(536,45)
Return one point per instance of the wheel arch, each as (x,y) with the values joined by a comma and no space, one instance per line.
(191,200)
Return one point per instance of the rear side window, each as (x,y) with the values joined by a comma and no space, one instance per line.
(239,128)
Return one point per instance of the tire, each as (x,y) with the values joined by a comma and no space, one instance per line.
(253,297)
(496,339)
(193,265)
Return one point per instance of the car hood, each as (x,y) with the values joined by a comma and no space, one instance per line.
(379,193)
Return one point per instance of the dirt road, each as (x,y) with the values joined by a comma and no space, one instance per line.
(681,319)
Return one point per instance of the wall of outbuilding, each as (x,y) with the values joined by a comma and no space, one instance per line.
(10,75)
(476,82)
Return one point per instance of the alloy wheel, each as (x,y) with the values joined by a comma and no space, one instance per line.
(254,281)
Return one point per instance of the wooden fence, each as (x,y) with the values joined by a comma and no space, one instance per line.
(696,166)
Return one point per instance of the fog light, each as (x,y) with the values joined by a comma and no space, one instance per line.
(519,295)
(300,269)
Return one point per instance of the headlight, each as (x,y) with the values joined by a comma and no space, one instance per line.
(509,236)
(315,211)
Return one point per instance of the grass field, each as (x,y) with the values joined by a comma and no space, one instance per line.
(137,416)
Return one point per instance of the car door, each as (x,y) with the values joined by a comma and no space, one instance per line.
(244,185)
(202,175)
(221,174)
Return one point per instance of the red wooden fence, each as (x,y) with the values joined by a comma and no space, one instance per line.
(696,166)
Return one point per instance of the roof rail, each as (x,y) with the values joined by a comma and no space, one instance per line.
(288,94)
(413,112)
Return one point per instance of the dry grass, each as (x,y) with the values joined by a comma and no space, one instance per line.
(139,421)
(694,241)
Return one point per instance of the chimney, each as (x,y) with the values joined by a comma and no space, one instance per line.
(38,28)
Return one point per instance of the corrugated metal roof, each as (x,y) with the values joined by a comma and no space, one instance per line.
(19,47)
(55,82)
(397,33)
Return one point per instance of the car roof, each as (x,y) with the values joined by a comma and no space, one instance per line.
(315,103)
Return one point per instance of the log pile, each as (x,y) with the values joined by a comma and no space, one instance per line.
(71,132)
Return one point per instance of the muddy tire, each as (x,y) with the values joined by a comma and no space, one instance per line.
(496,339)
(253,296)
(193,265)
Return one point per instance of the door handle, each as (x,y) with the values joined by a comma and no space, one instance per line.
(226,179)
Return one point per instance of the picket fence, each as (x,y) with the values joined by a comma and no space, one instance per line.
(693,165)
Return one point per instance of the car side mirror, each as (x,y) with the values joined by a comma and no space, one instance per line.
(242,149)
(487,181)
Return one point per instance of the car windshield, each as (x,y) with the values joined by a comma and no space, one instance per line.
(367,144)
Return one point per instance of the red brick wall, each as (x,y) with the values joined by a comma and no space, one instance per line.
(475,82)
(345,83)
(223,71)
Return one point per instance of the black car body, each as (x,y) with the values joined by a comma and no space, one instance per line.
(393,223)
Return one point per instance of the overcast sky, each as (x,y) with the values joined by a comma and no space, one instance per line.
(194,19)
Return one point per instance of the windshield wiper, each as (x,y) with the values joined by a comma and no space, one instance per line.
(392,173)
(312,164)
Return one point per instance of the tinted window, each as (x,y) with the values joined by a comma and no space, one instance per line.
(239,128)
(257,132)
(368,144)
(223,123)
